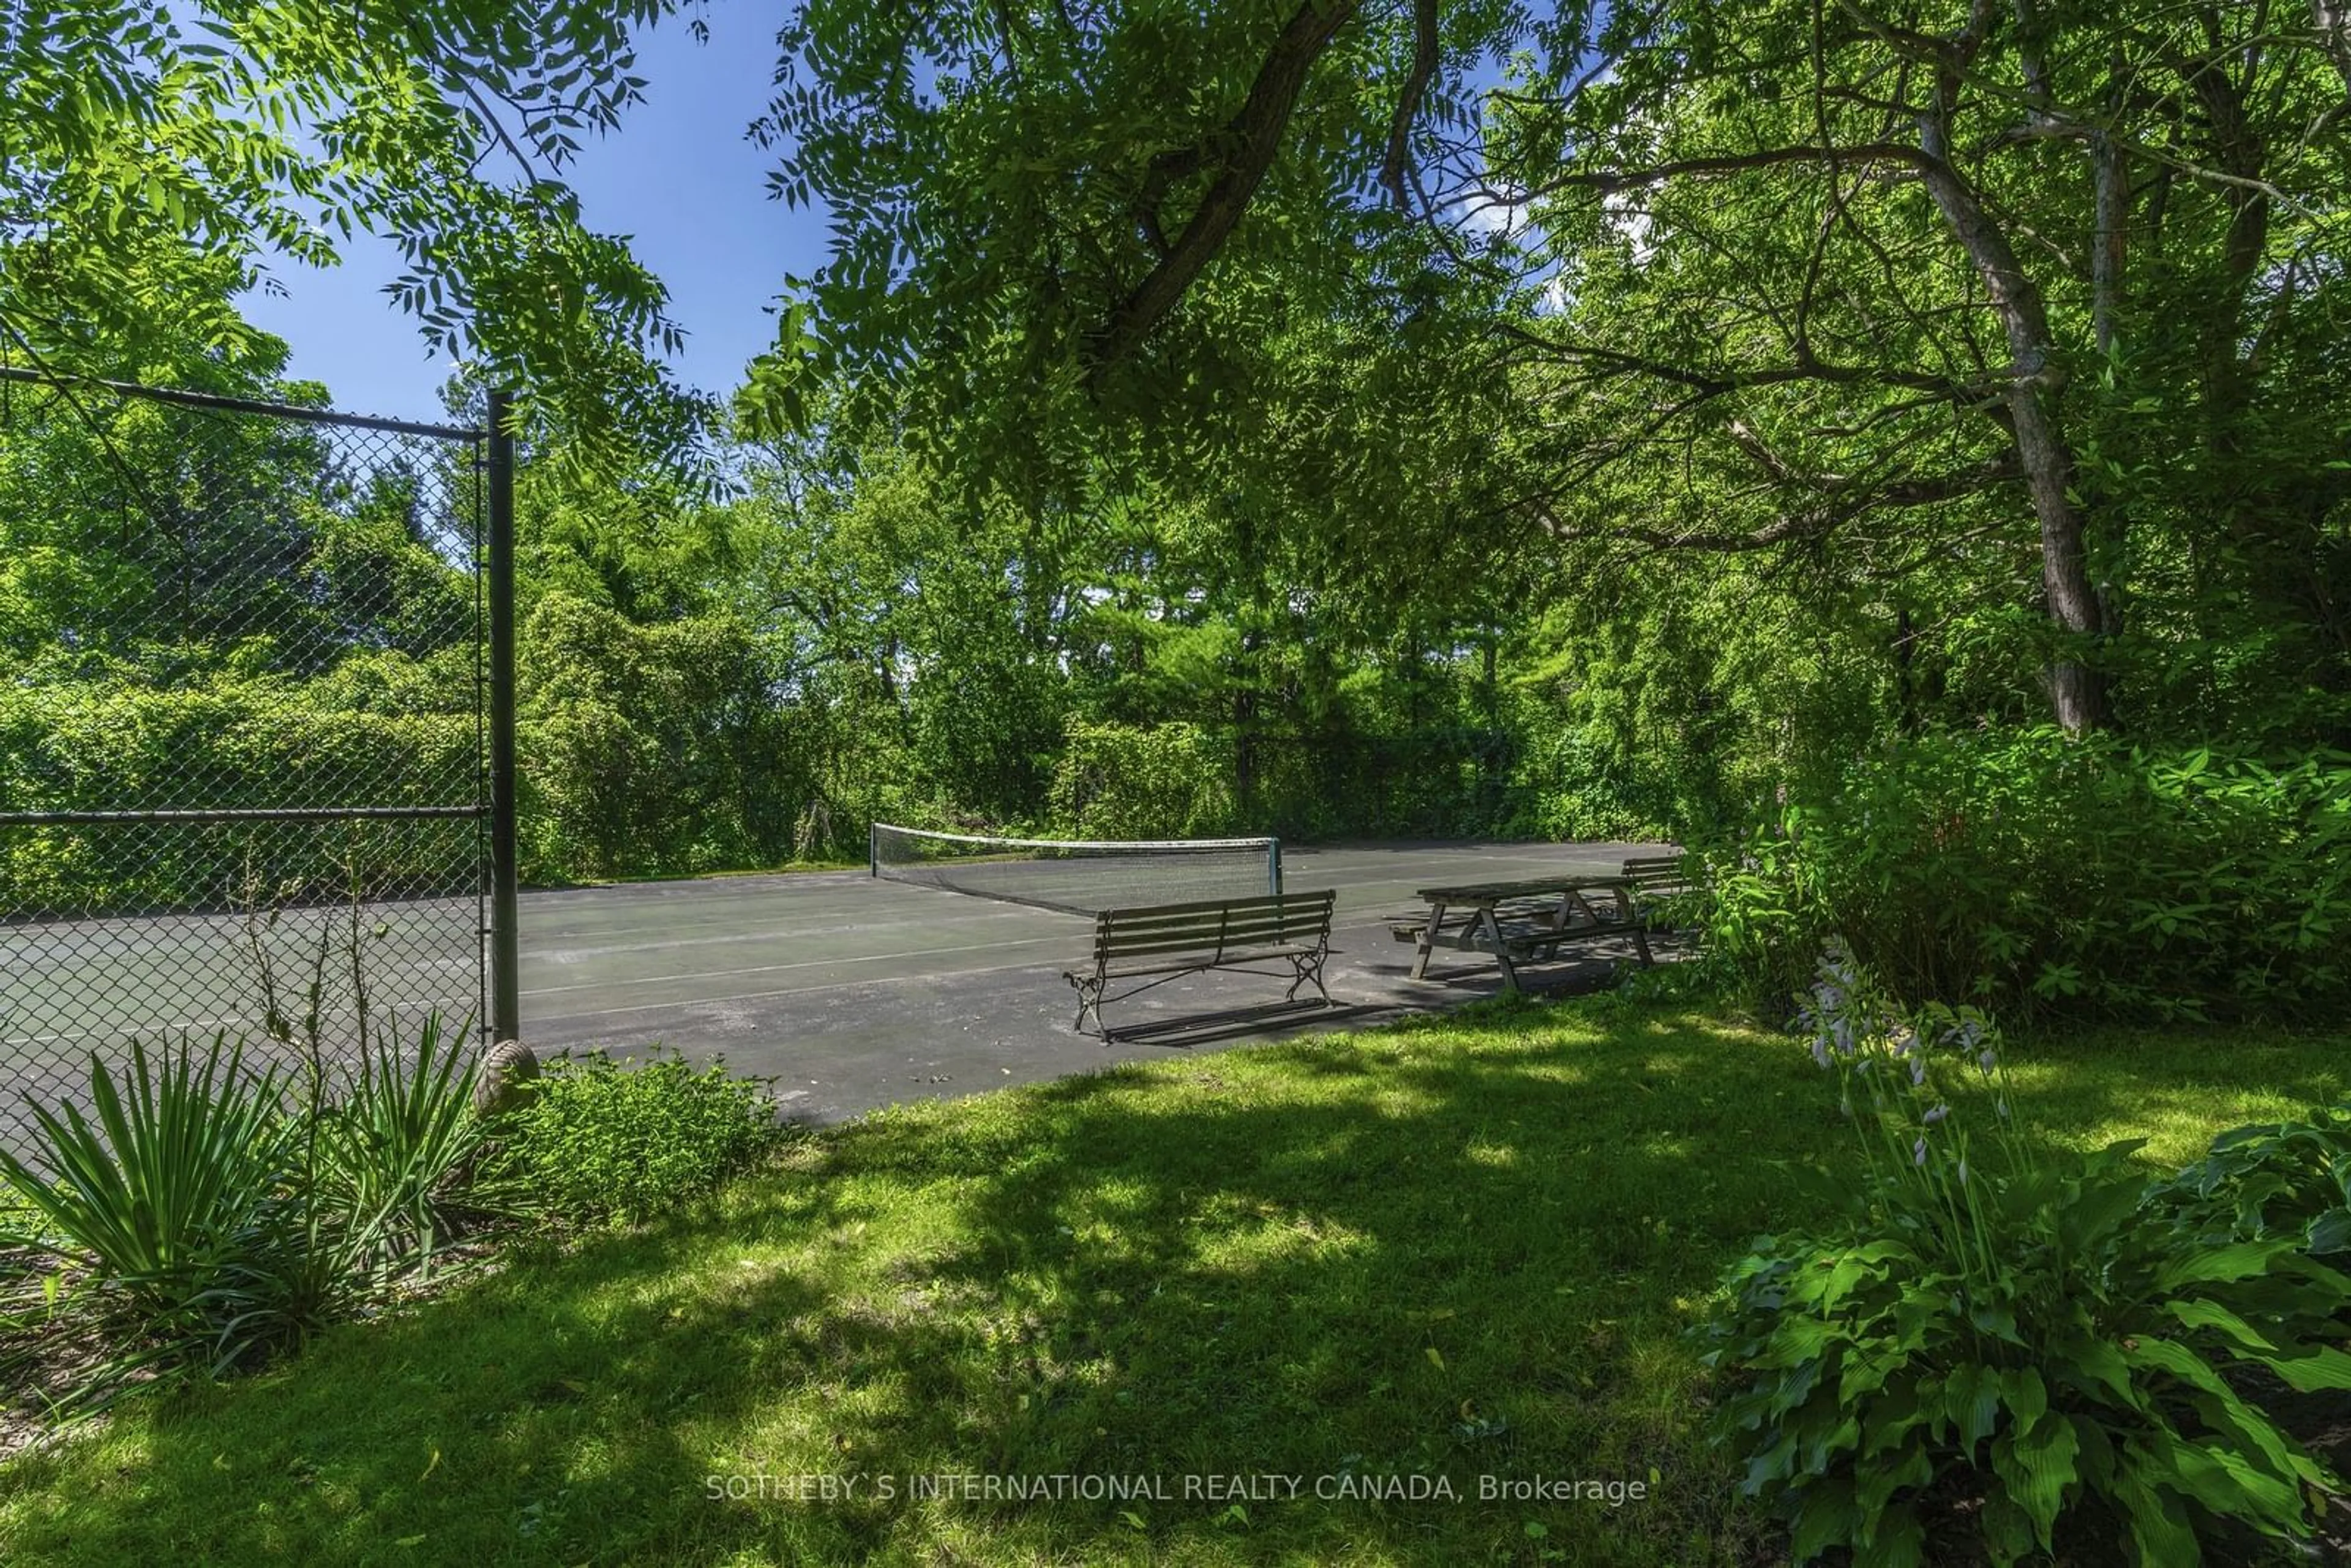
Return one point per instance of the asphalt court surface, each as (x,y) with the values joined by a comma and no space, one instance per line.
(852,993)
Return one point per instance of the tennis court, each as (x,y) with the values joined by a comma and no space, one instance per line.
(853,993)
(848,992)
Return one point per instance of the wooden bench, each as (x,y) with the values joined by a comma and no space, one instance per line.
(1158,943)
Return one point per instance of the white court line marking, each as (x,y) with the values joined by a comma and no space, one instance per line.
(803,964)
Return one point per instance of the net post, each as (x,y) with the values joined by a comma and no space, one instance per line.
(874,849)
(505,946)
(1273,864)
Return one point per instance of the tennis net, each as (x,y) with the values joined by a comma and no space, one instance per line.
(1084,877)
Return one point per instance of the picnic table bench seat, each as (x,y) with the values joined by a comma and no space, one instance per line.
(1654,880)
(1158,943)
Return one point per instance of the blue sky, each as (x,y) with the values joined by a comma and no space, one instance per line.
(678,177)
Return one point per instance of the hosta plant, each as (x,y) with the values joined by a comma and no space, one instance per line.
(2288,1179)
(1990,1325)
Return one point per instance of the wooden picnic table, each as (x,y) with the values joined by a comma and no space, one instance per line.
(1520,921)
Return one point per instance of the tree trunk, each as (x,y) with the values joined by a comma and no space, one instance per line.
(2333,20)
(2077,691)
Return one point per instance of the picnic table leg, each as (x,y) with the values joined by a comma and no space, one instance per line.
(1427,942)
(1493,923)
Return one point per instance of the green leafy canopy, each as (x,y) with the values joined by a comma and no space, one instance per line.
(147,145)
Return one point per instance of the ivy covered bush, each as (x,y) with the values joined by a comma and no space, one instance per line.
(1143,781)
(104,733)
(1996,1341)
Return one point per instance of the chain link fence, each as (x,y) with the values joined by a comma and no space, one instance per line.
(246,745)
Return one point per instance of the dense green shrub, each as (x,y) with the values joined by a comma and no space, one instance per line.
(2020,1332)
(232,733)
(1563,788)
(2029,869)
(653,748)
(593,1140)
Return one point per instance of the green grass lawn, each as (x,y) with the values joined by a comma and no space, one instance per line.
(1458,1250)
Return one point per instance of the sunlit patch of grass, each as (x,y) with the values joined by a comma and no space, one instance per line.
(1464,1248)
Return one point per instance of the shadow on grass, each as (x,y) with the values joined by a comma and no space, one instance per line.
(1463,1249)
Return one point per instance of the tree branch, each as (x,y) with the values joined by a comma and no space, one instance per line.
(1246,145)
(1424,68)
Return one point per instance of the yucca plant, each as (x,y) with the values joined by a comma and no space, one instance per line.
(168,1202)
(397,1158)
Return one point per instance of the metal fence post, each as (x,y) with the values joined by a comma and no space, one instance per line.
(505,946)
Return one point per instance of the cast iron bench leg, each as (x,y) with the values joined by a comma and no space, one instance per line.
(1089,990)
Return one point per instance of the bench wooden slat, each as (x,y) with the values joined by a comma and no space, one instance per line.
(1531,887)
(1240,928)
(1116,938)
(1236,950)
(1213,911)
(1191,962)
